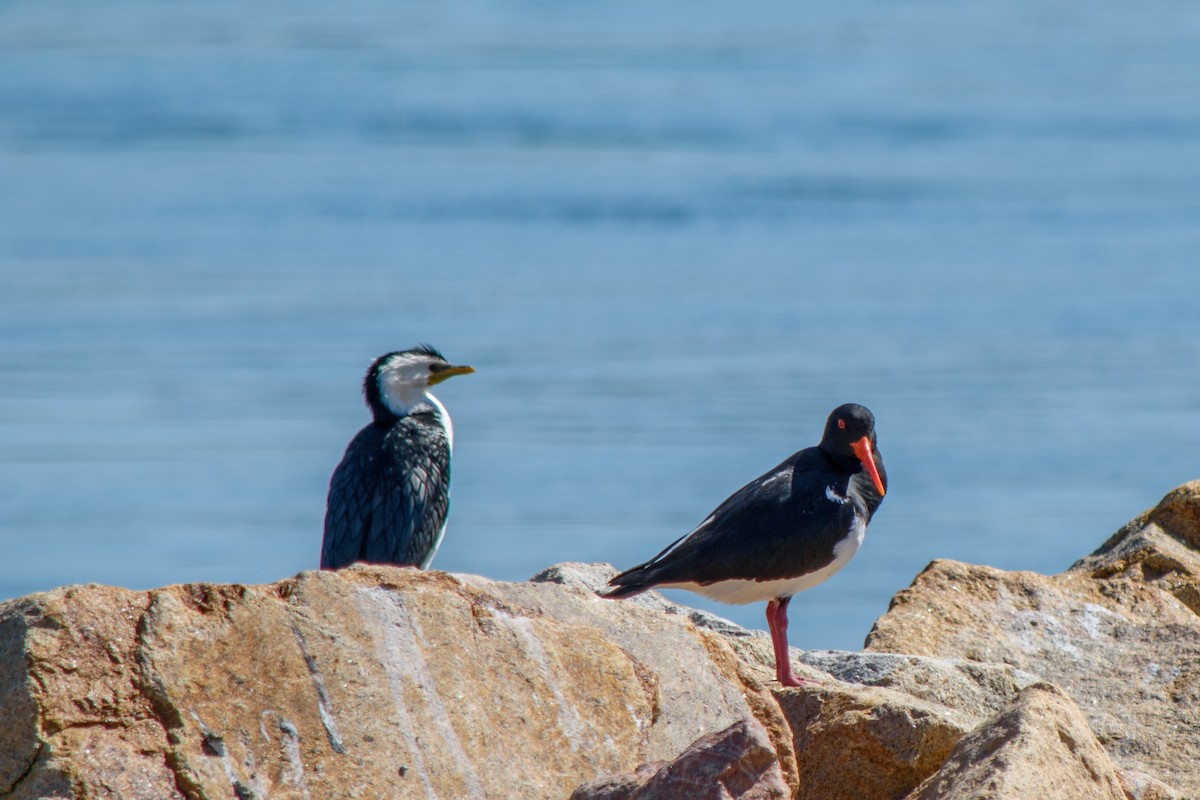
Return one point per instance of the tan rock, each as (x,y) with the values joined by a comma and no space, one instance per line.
(1160,548)
(1115,632)
(865,743)
(730,688)
(381,682)
(72,686)
(1140,786)
(737,763)
(1039,747)
(370,682)
(1178,513)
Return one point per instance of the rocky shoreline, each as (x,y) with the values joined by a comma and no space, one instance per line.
(381,682)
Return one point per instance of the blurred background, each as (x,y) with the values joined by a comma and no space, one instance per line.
(670,237)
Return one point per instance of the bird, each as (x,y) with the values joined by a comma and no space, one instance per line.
(389,496)
(786,531)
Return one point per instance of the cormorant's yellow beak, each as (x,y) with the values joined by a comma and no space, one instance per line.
(440,374)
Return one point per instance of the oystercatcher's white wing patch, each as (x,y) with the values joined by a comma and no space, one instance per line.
(835,497)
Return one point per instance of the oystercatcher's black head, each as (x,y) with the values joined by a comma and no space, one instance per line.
(850,436)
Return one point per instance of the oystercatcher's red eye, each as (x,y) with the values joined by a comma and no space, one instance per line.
(841,424)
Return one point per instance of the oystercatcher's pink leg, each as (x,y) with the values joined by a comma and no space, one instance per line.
(777,621)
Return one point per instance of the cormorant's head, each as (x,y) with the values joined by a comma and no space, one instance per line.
(397,383)
(850,434)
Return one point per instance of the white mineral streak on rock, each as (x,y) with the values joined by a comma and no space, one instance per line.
(400,642)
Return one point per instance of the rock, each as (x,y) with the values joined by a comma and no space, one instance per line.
(1160,548)
(637,628)
(1115,631)
(1040,746)
(384,682)
(368,682)
(967,686)
(18,708)
(73,692)
(856,743)
(1140,786)
(1178,513)
(738,762)
(618,787)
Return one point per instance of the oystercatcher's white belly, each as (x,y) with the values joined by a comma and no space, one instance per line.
(742,591)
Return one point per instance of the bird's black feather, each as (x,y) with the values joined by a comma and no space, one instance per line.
(389,496)
(428,350)
(783,524)
(780,525)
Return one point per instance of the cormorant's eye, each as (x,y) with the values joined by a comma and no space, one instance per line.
(841,424)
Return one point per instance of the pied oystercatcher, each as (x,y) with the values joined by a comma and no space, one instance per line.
(782,533)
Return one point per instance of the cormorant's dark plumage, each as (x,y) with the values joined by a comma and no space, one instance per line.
(389,496)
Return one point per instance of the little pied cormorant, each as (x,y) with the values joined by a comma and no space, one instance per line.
(389,496)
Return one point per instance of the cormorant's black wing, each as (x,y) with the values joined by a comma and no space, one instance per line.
(789,518)
(389,496)
(351,498)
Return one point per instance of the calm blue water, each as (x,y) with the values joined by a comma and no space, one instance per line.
(671,237)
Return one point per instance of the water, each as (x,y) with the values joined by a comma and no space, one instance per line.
(670,238)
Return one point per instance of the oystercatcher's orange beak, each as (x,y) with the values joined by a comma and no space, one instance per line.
(862,449)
